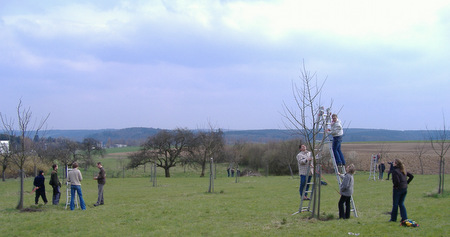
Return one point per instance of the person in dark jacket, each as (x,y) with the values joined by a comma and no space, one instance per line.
(56,185)
(39,184)
(400,180)
(381,168)
(391,168)
(101,180)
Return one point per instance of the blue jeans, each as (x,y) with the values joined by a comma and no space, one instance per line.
(398,199)
(303,183)
(56,195)
(76,188)
(338,156)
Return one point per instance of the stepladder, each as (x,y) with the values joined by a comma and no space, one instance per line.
(373,167)
(69,195)
(341,170)
(305,199)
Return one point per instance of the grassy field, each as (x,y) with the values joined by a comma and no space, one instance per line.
(255,206)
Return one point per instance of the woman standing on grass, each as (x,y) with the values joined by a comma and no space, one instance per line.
(400,182)
(346,190)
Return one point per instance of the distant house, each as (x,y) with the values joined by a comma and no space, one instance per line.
(4,146)
(120,145)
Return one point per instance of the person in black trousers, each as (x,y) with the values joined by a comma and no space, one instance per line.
(391,168)
(381,169)
(346,191)
(39,184)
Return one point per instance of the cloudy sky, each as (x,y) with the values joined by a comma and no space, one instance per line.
(168,64)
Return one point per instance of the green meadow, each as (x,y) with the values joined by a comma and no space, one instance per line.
(254,206)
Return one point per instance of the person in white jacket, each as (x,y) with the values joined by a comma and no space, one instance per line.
(337,132)
(304,160)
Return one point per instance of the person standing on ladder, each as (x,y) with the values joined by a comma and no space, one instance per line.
(337,132)
(304,158)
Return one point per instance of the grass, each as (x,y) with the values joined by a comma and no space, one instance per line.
(255,206)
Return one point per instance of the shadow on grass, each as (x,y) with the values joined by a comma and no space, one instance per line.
(445,194)
(33,209)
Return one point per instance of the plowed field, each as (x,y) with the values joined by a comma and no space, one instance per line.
(360,154)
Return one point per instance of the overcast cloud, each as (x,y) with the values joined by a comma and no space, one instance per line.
(168,64)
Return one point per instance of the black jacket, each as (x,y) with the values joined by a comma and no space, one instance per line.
(39,182)
(399,179)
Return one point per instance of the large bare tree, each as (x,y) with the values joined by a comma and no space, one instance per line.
(163,149)
(306,119)
(22,151)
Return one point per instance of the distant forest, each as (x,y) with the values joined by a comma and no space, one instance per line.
(135,136)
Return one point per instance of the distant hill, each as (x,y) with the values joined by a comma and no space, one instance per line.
(259,136)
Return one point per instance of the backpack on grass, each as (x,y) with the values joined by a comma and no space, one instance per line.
(409,223)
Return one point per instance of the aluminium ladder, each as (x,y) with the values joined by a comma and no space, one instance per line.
(373,167)
(307,206)
(338,177)
(320,126)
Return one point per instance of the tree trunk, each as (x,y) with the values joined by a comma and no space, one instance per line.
(20,204)
(440,177)
(290,169)
(4,174)
(203,168)
(421,165)
(167,171)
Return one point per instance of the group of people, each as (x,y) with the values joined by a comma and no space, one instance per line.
(74,177)
(39,186)
(230,171)
(400,177)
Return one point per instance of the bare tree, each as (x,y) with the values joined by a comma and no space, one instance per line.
(60,149)
(383,151)
(440,144)
(22,151)
(90,147)
(419,150)
(306,120)
(289,151)
(206,145)
(236,158)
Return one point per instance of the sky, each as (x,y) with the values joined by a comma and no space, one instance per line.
(228,64)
